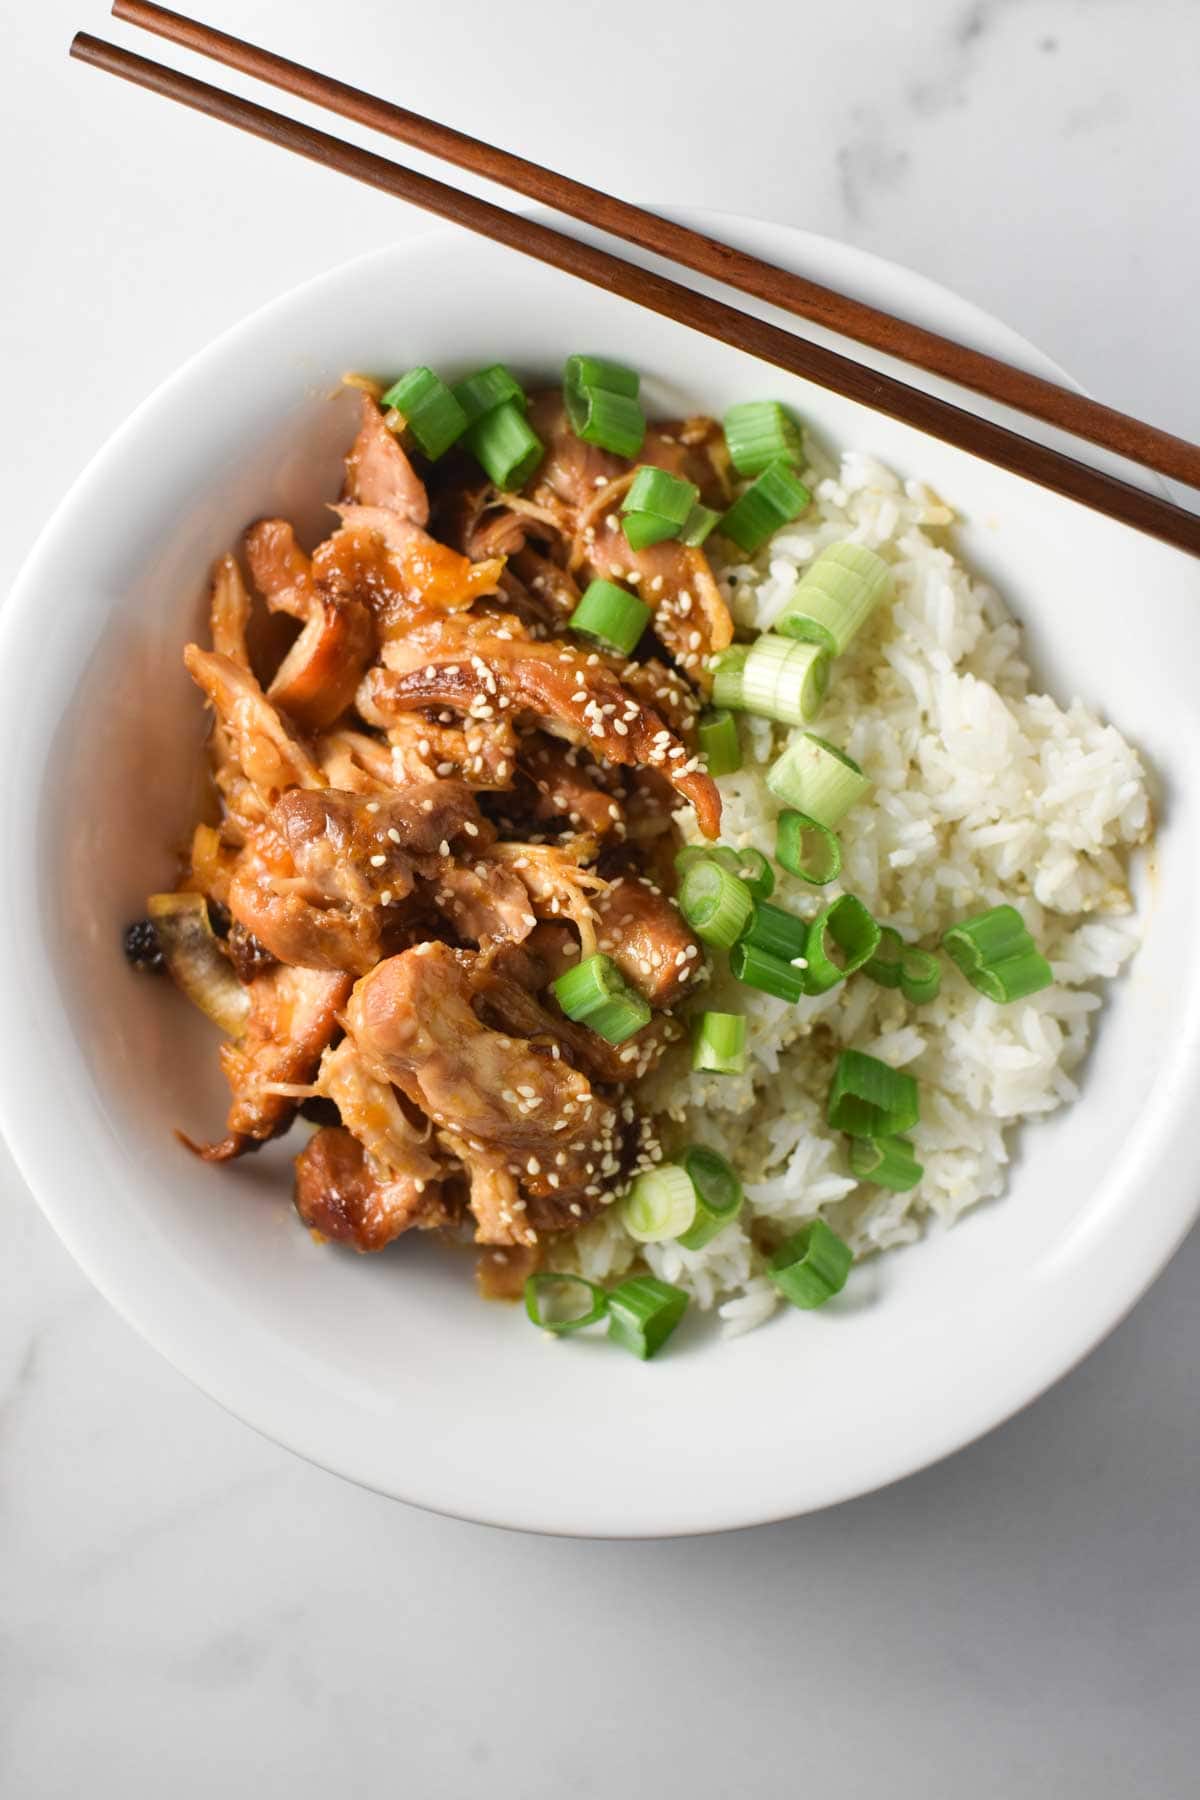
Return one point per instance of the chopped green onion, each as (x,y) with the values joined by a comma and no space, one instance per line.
(888,1162)
(610,421)
(885,966)
(835,597)
(643,1312)
(769,974)
(659,492)
(611,615)
(841,938)
(660,1204)
(643,529)
(920,976)
(691,854)
(714,903)
(750,866)
(487,389)
(811,1267)
(772,677)
(594,993)
(817,778)
(429,409)
(758,433)
(717,735)
(806,848)
(754,869)
(561,1303)
(697,525)
(598,372)
(771,500)
(719,1043)
(718,1195)
(777,932)
(869,1099)
(505,445)
(997,955)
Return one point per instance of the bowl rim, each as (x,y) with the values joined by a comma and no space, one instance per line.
(122,1286)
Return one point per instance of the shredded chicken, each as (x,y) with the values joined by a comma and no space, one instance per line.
(571,692)
(293,1016)
(527,1125)
(435,800)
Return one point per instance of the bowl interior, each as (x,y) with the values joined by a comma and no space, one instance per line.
(389,1369)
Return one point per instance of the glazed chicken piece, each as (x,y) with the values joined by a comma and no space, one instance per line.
(528,1127)
(570,786)
(486,903)
(316,680)
(315,886)
(647,939)
(556,881)
(229,612)
(378,473)
(293,1016)
(341,1196)
(567,690)
(255,756)
(384,1179)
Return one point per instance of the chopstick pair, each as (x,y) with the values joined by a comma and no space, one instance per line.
(1008,449)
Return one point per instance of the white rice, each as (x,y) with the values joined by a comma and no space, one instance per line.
(983,792)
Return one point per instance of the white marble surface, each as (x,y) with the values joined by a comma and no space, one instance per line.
(186,1610)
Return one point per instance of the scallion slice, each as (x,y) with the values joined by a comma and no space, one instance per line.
(561,1303)
(594,994)
(773,678)
(805,847)
(777,932)
(717,736)
(430,411)
(772,499)
(505,445)
(487,389)
(610,421)
(758,433)
(749,865)
(719,1043)
(755,870)
(920,976)
(835,597)
(888,1162)
(997,955)
(717,1192)
(657,491)
(714,903)
(811,1267)
(644,528)
(769,974)
(817,778)
(884,967)
(869,1099)
(598,372)
(660,1204)
(841,938)
(611,615)
(697,525)
(643,1312)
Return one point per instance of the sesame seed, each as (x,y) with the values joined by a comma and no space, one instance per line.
(377,862)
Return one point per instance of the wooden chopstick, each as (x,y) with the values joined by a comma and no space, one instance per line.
(928,350)
(1063,475)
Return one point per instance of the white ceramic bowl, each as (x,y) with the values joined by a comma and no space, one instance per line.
(389,1369)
